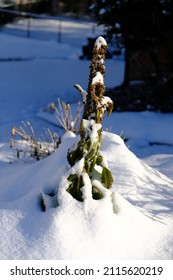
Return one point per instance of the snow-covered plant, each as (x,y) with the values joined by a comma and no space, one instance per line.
(65,117)
(94,173)
(27,145)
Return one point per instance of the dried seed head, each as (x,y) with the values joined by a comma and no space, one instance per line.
(66,107)
(52,106)
(12,144)
(13,131)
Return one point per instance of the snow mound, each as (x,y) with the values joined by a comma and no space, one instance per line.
(143,186)
(110,228)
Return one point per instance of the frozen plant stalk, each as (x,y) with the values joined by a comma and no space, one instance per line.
(94,176)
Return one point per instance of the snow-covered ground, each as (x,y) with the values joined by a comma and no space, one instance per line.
(61,29)
(135,221)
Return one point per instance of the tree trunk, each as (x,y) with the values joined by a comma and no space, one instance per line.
(155,60)
(127,67)
(54,4)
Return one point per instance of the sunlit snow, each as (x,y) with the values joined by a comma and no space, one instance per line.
(133,220)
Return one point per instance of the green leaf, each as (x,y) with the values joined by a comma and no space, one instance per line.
(99,160)
(75,155)
(106,177)
(96,193)
(75,186)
